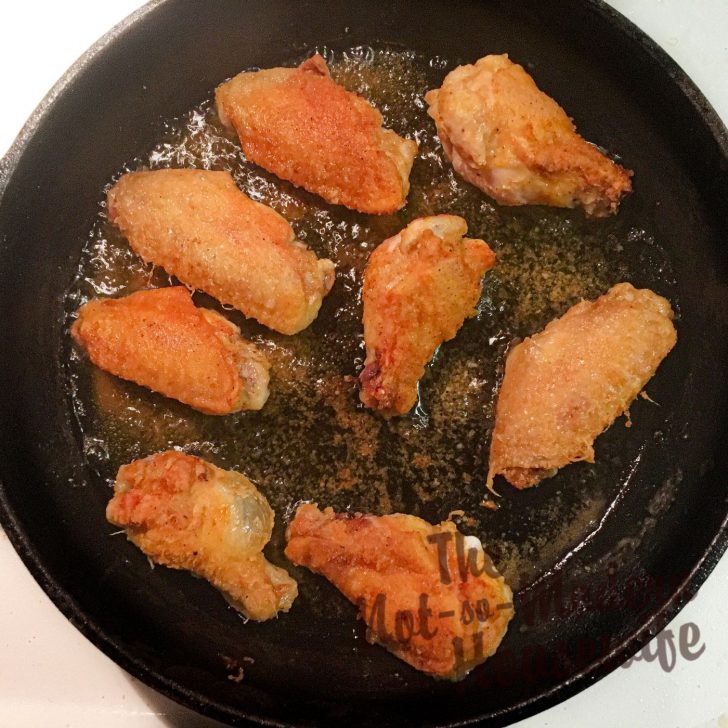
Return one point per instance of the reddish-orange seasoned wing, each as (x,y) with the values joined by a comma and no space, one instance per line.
(302,126)
(517,144)
(201,228)
(563,386)
(185,513)
(419,287)
(161,340)
(405,576)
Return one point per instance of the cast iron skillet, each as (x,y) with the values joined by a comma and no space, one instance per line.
(653,552)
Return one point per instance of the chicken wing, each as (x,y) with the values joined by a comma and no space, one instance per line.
(563,386)
(419,287)
(517,144)
(302,126)
(161,340)
(201,228)
(185,513)
(427,593)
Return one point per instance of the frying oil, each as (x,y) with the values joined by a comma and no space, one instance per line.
(314,440)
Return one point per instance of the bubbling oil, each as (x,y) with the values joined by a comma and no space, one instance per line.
(313,440)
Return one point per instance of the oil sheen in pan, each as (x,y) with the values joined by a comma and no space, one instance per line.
(313,440)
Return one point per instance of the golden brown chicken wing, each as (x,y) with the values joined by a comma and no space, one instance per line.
(302,126)
(517,144)
(565,385)
(185,513)
(161,340)
(201,228)
(427,593)
(419,287)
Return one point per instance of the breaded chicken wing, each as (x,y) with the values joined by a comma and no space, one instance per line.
(161,340)
(419,287)
(302,126)
(201,228)
(563,386)
(517,144)
(406,577)
(185,513)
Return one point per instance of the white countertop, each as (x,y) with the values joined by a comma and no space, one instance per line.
(50,675)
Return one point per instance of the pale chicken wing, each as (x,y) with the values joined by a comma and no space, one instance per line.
(301,125)
(563,386)
(200,227)
(419,287)
(441,612)
(517,144)
(185,513)
(161,340)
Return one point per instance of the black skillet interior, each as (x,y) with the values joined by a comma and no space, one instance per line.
(657,543)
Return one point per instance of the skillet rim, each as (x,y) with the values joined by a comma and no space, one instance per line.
(136,667)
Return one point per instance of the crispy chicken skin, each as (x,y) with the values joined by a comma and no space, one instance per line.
(201,228)
(161,340)
(185,513)
(517,144)
(302,126)
(386,564)
(419,287)
(563,386)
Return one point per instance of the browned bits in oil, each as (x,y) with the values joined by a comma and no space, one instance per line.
(313,440)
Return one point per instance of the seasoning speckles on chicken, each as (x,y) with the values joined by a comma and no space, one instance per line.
(185,513)
(419,287)
(517,144)
(301,125)
(202,229)
(563,386)
(161,340)
(418,598)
